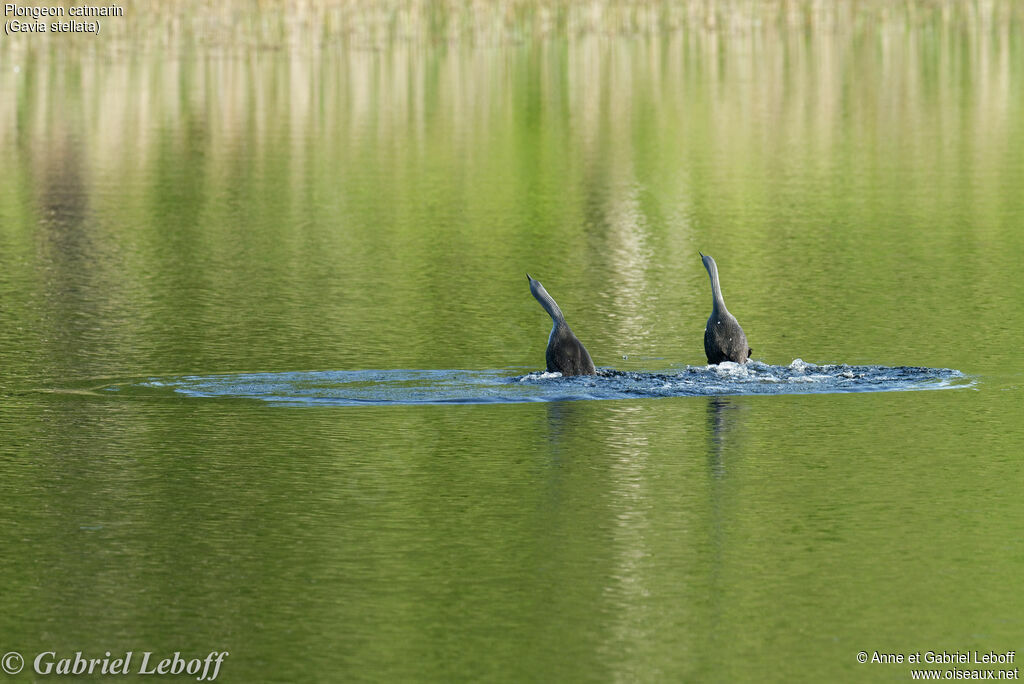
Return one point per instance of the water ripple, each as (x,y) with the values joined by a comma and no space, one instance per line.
(380,387)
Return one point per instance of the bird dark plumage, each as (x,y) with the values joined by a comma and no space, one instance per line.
(565,353)
(724,339)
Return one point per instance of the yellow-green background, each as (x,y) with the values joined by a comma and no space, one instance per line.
(216,187)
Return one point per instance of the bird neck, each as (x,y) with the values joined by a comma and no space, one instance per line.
(716,290)
(550,306)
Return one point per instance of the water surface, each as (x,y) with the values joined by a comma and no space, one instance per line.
(398,387)
(219,231)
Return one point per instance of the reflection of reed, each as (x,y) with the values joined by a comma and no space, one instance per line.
(707,104)
(758,72)
(379,23)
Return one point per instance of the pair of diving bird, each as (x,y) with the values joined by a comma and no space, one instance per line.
(724,339)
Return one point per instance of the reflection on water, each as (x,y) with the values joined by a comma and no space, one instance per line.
(721,418)
(308,198)
(211,205)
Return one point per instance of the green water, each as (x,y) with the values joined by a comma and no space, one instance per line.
(188,204)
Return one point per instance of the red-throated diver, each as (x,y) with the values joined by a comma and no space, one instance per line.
(565,353)
(724,339)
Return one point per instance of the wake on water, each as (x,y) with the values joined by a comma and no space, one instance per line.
(389,387)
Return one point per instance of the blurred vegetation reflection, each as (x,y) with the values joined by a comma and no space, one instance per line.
(344,162)
(217,187)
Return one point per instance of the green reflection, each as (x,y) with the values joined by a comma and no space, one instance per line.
(204,189)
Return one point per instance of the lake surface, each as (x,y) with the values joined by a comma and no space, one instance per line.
(271,376)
